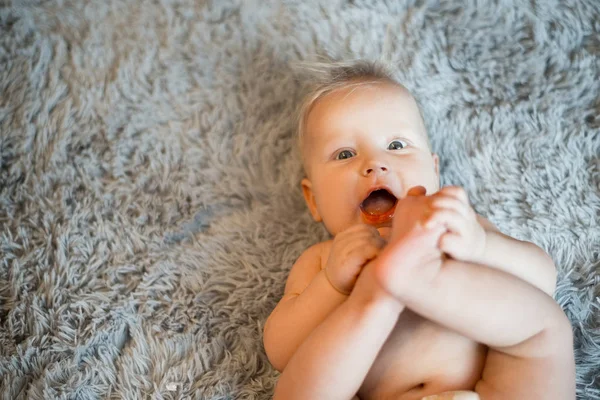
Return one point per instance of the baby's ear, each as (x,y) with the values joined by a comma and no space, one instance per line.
(309,197)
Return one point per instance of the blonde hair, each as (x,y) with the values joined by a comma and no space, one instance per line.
(326,77)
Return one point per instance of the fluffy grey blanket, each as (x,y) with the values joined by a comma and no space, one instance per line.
(150,206)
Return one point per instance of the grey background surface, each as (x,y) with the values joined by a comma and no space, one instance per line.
(150,206)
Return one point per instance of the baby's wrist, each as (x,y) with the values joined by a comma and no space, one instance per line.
(481,250)
(334,286)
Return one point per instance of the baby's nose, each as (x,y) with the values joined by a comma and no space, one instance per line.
(375,167)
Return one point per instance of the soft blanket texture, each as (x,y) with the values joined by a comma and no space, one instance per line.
(150,205)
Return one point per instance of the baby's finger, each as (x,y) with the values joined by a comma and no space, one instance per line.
(457,192)
(355,233)
(363,253)
(451,219)
(449,243)
(378,241)
(451,203)
(371,233)
(360,238)
(358,229)
(432,235)
(364,230)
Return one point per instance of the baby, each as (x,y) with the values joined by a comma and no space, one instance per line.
(416,296)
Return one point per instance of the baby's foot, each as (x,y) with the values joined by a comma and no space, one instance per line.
(411,257)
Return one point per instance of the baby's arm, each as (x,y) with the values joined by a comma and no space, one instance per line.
(307,300)
(334,360)
(311,294)
(522,259)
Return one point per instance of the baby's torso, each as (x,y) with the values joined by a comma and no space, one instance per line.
(421,358)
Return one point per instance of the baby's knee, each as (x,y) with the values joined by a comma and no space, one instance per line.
(558,332)
(565,328)
(562,332)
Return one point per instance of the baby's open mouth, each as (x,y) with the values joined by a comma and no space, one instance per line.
(379,206)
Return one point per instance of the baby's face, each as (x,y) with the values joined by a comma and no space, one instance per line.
(358,140)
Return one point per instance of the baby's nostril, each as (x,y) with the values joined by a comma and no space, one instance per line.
(380,167)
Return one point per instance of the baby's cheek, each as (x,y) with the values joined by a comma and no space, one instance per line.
(336,222)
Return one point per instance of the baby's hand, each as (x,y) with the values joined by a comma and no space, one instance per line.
(351,250)
(465,239)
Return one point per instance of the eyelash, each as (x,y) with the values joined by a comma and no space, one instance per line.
(337,155)
(398,140)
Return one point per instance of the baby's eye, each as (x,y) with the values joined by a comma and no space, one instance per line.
(397,145)
(344,154)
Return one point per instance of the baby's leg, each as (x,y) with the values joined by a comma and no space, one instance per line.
(334,359)
(530,338)
(454,395)
(417,251)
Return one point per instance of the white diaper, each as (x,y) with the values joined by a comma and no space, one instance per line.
(457,395)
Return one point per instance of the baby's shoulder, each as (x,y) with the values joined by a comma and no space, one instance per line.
(316,254)
(310,262)
(325,249)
